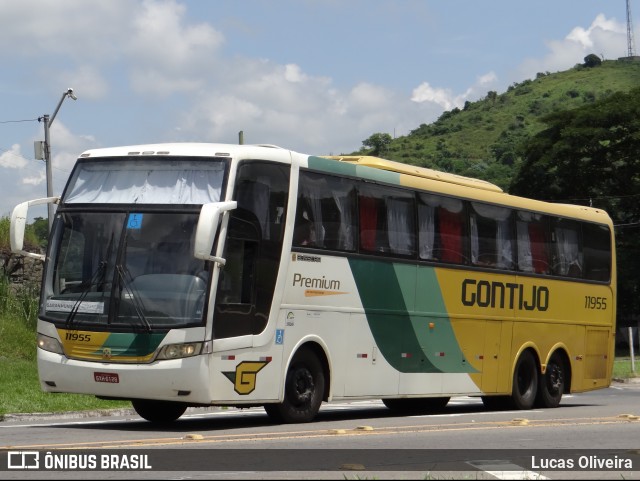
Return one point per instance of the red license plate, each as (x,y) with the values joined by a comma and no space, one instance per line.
(110,377)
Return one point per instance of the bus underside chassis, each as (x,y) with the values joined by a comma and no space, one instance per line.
(303,390)
(159,412)
(530,387)
(417,405)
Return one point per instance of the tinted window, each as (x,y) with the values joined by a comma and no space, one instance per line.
(532,231)
(387,220)
(491,237)
(325,214)
(597,252)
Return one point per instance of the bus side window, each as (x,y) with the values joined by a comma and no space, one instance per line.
(401,224)
(325,213)
(387,220)
(368,210)
(597,252)
(491,239)
(567,252)
(450,232)
(533,239)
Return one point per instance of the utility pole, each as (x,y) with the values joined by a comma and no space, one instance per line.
(47,121)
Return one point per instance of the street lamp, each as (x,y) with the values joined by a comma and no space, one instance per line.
(47,148)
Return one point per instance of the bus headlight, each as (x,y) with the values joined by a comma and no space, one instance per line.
(50,344)
(179,351)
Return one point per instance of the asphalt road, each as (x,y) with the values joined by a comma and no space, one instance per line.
(597,434)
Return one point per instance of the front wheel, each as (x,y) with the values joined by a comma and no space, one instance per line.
(160,412)
(552,383)
(303,390)
(525,381)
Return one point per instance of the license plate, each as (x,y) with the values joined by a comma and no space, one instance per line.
(110,377)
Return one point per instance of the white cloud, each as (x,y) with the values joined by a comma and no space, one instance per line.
(167,55)
(12,158)
(604,37)
(87,82)
(35,179)
(426,93)
(70,28)
(446,99)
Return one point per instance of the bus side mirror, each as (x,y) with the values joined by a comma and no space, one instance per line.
(19,222)
(210,216)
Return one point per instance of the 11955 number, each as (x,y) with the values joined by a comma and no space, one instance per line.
(593,302)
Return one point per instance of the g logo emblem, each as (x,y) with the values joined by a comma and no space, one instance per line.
(245,375)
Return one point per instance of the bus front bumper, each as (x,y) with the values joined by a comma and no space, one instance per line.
(182,380)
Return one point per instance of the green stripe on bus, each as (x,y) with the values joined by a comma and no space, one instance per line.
(410,327)
(353,170)
(125,344)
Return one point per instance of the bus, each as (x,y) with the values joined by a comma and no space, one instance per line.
(192,274)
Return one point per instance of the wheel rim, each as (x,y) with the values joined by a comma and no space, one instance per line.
(302,387)
(555,379)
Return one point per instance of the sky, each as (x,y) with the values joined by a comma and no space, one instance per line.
(315,76)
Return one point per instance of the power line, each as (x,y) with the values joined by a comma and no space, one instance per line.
(18,121)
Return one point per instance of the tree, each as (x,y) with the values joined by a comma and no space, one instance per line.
(589,156)
(378,143)
(592,60)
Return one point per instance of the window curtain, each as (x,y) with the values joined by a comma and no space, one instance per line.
(399,226)
(426,229)
(500,216)
(146,183)
(450,226)
(344,203)
(312,191)
(539,257)
(368,223)
(568,249)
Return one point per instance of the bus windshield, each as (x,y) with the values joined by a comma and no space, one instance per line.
(131,269)
(122,260)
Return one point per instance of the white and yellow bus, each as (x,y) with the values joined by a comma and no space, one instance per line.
(184,275)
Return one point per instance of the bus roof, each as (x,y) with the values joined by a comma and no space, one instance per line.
(187,149)
(472,188)
(423,172)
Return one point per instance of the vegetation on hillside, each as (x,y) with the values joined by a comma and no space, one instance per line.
(569,137)
(486,139)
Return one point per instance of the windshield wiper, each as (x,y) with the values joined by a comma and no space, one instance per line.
(96,278)
(136,300)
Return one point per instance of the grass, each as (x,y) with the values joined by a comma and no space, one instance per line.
(622,367)
(20,388)
(20,392)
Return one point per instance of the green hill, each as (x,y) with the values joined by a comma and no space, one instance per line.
(484,138)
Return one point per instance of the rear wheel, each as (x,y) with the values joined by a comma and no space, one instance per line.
(525,381)
(160,412)
(552,383)
(303,390)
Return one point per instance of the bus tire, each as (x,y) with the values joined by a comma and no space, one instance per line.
(525,381)
(303,390)
(160,412)
(410,405)
(552,383)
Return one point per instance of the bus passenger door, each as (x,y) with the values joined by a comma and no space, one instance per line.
(252,250)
